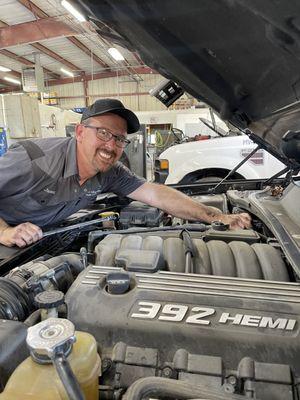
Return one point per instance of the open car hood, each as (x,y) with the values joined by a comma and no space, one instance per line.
(241,57)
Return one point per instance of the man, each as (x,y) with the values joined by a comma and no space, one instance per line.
(43,181)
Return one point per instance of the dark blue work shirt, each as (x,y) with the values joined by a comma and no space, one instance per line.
(46,190)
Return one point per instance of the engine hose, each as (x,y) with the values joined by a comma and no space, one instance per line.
(15,304)
(98,235)
(33,318)
(67,377)
(38,266)
(16,299)
(74,260)
(156,387)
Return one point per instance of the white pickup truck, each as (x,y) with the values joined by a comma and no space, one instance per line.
(212,159)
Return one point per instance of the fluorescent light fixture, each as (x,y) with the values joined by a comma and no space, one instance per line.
(4,69)
(69,73)
(12,80)
(115,54)
(68,6)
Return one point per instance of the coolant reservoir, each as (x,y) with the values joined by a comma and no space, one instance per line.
(37,380)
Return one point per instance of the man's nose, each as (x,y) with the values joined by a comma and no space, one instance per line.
(111,144)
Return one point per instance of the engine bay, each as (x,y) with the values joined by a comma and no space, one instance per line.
(167,300)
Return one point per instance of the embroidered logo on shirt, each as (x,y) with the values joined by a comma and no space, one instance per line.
(92,193)
(49,191)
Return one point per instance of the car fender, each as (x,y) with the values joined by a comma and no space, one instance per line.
(219,153)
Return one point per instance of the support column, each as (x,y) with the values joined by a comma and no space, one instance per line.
(85,89)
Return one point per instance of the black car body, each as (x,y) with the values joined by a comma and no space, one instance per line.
(198,311)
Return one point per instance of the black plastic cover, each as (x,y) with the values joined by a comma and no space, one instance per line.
(140,214)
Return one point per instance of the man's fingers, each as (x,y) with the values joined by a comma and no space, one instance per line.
(20,242)
(237,221)
(246,219)
(25,234)
(33,231)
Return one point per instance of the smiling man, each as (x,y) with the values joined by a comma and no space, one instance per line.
(43,181)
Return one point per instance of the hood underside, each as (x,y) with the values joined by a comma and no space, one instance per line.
(241,57)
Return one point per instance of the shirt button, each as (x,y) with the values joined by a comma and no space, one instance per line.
(85,190)
(75,190)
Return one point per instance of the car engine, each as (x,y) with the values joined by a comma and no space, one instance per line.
(174,306)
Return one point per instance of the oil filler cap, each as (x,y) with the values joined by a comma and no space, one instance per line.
(118,282)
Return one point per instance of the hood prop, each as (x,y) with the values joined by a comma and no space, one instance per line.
(235,168)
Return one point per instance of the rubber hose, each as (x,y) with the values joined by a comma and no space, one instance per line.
(94,235)
(74,260)
(156,387)
(67,377)
(15,304)
(33,318)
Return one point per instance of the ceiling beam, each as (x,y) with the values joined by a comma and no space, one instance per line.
(41,14)
(138,58)
(87,51)
(54,55)
(12,55)
(15,57)
(24,61)
(30,32)
(4,82)
(101,75)
(79,96)
(34,9)
(12,73)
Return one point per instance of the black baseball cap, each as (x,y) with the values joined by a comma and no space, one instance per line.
(113,106)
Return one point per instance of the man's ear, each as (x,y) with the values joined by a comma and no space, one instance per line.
(79,132)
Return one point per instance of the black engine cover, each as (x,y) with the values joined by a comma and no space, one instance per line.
(172,319)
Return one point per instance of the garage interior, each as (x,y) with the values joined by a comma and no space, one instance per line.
(133,298)
(52,66)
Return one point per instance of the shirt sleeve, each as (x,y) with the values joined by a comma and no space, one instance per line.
(120,180)
(16,173)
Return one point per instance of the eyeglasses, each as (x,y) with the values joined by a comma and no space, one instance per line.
(106,136)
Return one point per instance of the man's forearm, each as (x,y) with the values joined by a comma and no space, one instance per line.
(175,203)
(3,226)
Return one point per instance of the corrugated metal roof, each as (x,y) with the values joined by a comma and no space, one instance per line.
(51,7)
(92,59)
(97,46)
(68,51)
(9,63)
(12,12)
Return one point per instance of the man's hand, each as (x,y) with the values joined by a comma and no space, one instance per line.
(20,235)
(236,221)
(179,205)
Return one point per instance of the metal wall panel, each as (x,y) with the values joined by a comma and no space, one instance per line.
(69,89)
(132,94)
